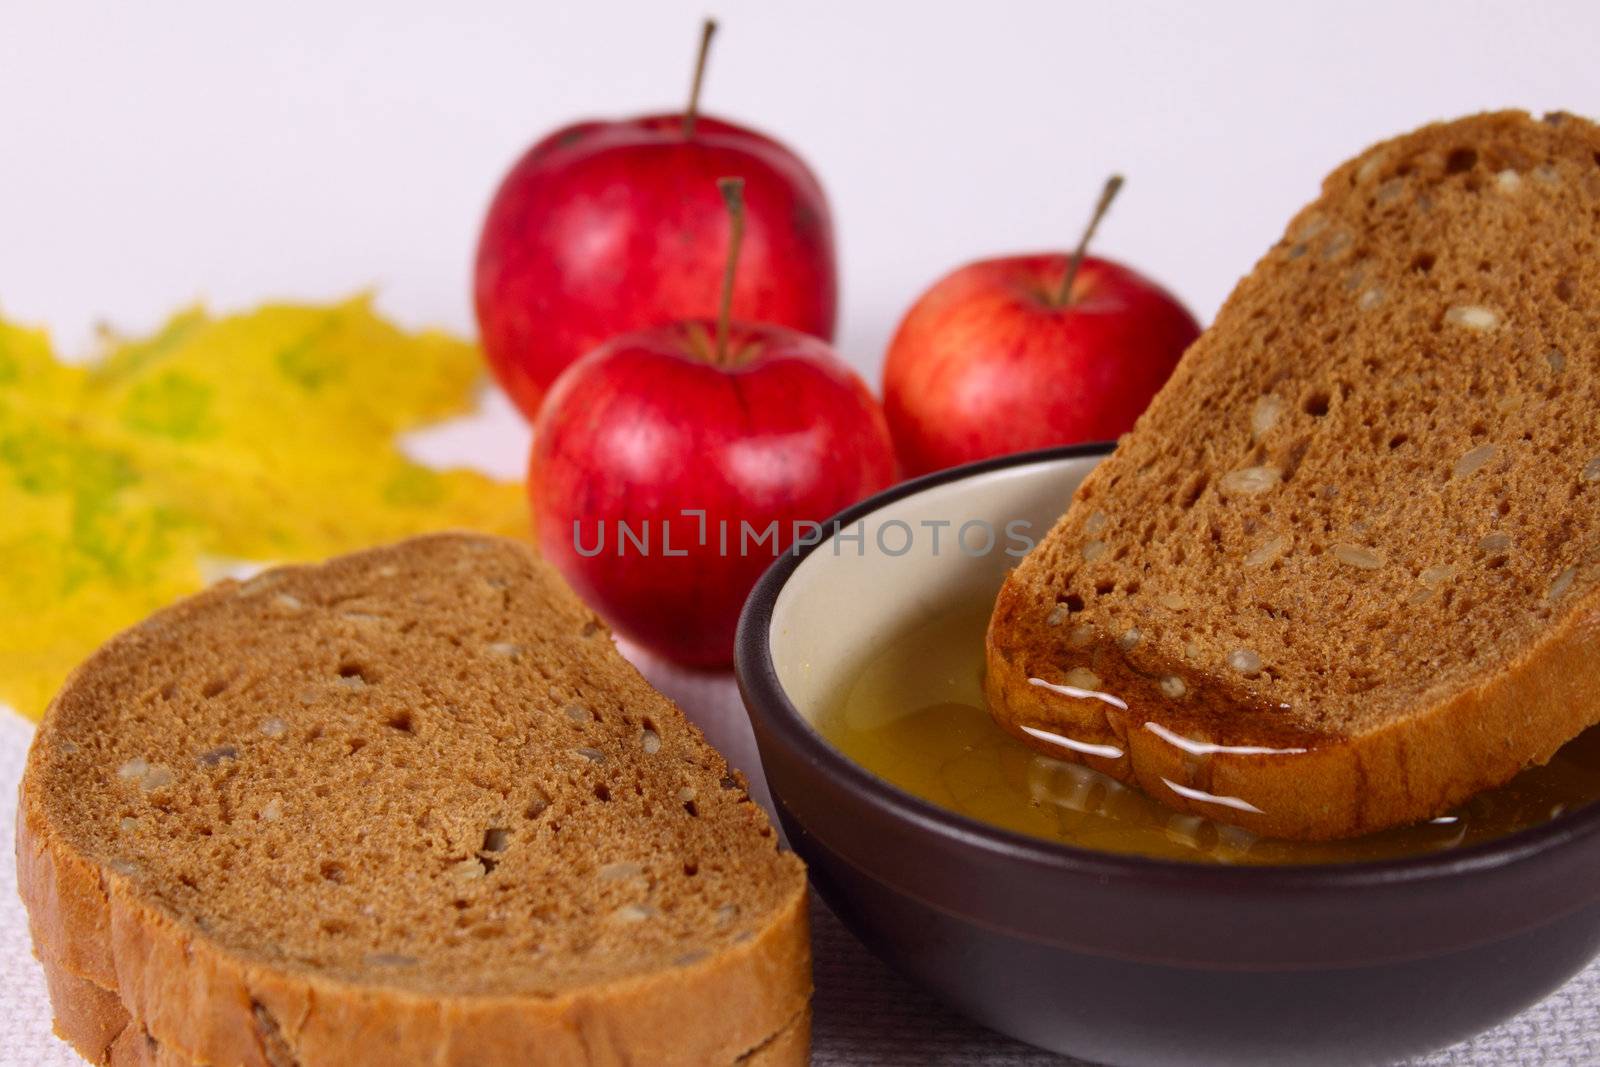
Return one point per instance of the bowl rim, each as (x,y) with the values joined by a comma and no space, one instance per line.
(766,700)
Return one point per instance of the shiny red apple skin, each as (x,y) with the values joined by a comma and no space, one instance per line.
(646,427)
(985,364)
(604,228)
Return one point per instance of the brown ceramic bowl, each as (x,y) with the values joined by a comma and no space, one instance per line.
(1114,958)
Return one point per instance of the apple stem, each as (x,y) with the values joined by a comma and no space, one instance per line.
(708,30)
(1108,194)
(732,190)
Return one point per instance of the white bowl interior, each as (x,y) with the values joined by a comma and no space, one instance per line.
(848,596)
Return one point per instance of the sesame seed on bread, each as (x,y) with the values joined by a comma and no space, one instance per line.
(406,806)
(1344,573)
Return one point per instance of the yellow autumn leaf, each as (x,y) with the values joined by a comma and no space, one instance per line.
(268,436)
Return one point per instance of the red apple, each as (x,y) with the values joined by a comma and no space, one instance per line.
(607,227)
(661,457)
(1006,355)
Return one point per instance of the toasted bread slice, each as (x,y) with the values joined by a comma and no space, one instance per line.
(408,806)
(1342,575)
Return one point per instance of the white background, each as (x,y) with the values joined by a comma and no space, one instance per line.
(153,154)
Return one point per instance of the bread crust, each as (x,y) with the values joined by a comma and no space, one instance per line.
(1325,783)
(94,1022)
(204,1004)
(88,1017)
(789,1047)
(1414,769)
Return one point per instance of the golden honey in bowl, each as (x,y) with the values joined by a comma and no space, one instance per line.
(914,715)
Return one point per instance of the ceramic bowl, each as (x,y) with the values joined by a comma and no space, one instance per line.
(1112,958)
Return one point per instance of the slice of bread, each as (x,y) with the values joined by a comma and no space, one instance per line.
(1345,571)
(408,806)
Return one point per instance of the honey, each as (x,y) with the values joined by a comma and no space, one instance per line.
(914,715)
